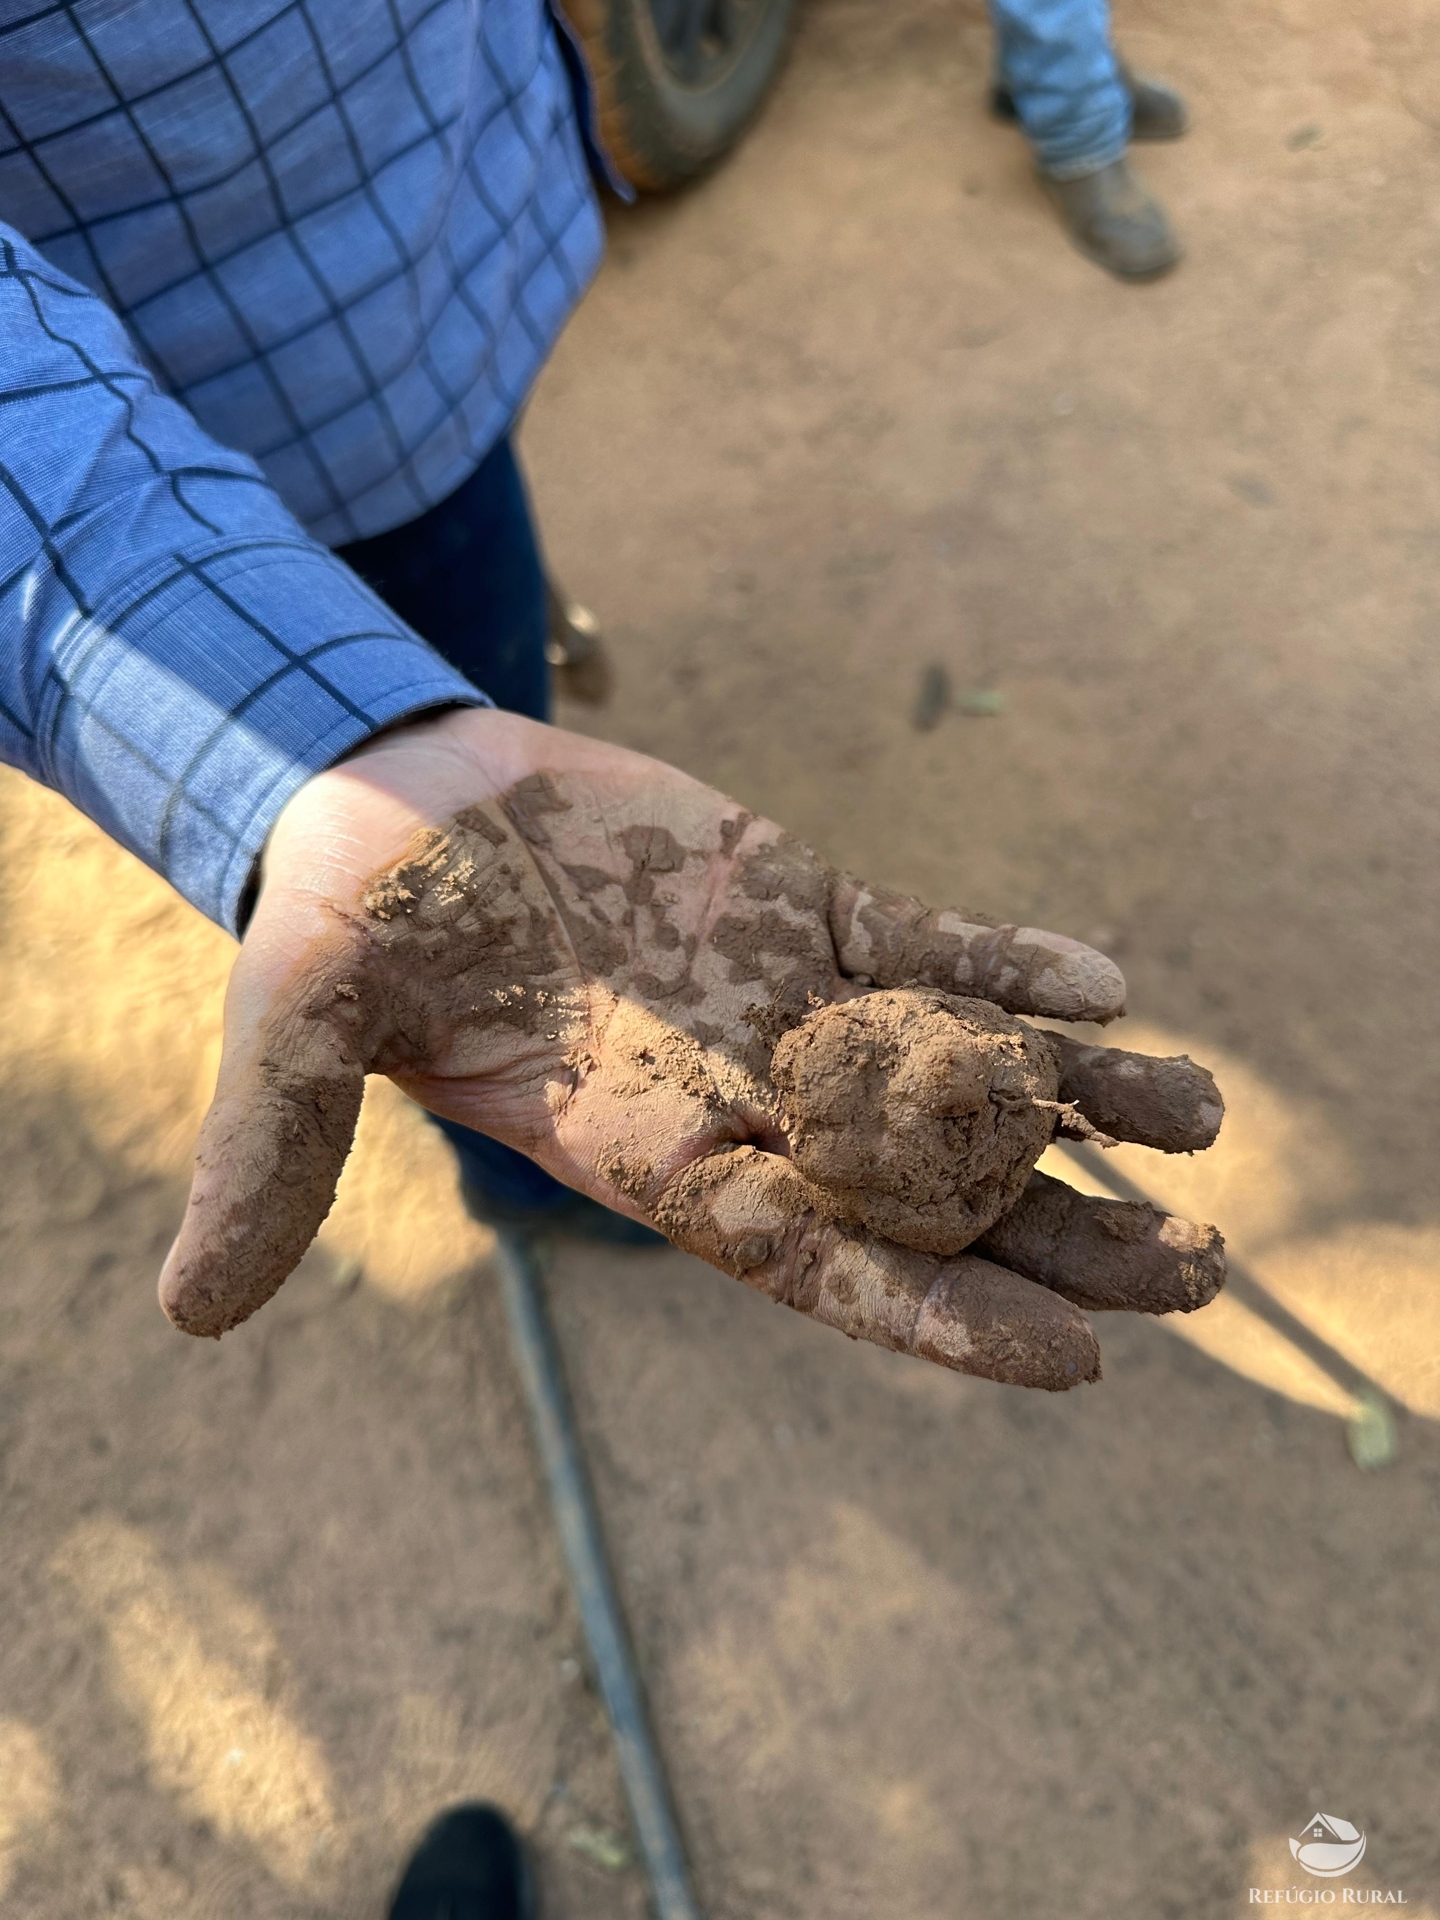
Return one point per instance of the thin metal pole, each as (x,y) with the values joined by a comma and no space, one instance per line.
(537,1355)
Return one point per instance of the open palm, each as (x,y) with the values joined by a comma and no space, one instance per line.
(592,957)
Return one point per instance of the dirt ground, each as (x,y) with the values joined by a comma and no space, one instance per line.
(917,1646)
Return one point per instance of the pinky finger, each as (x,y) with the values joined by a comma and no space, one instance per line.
(981,1318)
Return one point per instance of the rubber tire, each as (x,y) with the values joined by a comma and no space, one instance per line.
(659,132)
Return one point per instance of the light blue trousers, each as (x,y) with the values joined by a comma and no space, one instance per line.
(1055,57)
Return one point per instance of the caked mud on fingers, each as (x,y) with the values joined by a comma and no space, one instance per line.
(1107,1255)
(751,1214)
(266,1167)
(895,941)
(1170,1104)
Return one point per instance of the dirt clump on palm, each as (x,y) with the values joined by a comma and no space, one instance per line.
(919,1114)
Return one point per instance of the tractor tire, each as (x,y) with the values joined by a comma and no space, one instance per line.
(678,81)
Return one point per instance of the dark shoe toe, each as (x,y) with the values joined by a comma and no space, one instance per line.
(1156,112)
(1116,222)
(576,650)
(471,1865)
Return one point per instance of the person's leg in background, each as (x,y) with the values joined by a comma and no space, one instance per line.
(1079,107)
(469,578)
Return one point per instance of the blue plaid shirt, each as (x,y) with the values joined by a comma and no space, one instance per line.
(274,275)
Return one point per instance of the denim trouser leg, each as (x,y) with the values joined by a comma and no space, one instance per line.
(1055,57)
(468,576)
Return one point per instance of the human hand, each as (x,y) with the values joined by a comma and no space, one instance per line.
(588,955)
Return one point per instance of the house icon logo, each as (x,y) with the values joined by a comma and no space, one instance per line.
(1329,1846)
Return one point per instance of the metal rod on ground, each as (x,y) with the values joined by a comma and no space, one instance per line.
(538,1357)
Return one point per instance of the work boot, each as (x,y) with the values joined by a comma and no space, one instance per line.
(471,1865)
(1156,112)
(575,648)
(1116,221)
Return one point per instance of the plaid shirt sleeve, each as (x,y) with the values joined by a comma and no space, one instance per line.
(177,656)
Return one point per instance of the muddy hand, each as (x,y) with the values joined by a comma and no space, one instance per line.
(591,957)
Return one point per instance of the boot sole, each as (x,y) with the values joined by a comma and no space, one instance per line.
(1132,276)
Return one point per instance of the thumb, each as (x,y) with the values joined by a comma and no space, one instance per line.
(272,1145)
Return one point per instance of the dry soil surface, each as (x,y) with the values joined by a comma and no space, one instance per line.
(918,1646)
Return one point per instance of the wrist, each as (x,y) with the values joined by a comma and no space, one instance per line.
(360,814)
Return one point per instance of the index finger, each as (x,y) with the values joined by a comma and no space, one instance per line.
(894,941)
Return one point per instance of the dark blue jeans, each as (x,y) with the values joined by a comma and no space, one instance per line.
(468,576)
